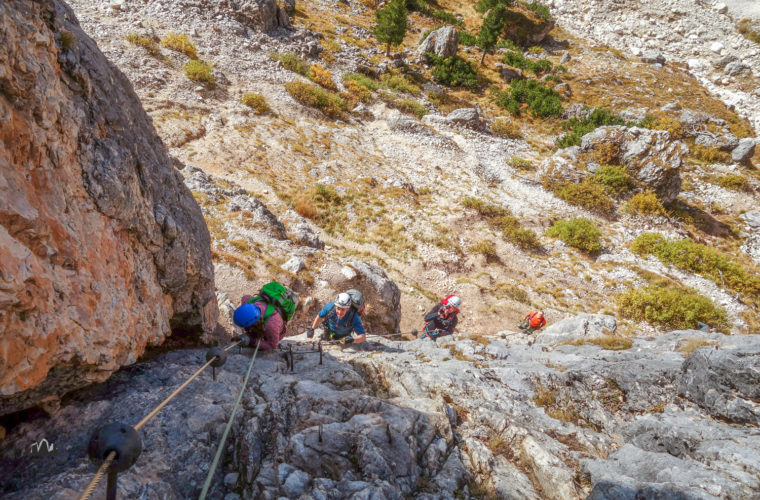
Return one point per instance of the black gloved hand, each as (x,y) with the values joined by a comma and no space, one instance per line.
(347,340)
(309,333)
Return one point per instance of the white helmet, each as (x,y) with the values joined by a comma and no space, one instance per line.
(454,301)
(343,300)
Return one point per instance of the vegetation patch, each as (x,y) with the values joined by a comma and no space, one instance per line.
(199,71)
(453,71)
(614,178)
(257,102)
(608,342)
(542,101)
(292,62)
(399,83)
(578,127)
(512,232)
(483,208)
(149,44)
(646,204)
(504,127)
(484,248)
(709,154)
(180,43)
(321,76)
(666,305)
(329,103)
(587,194)
(579,232)
(521,164)
(701,259)
(749,32)
(690,345)
(734,182)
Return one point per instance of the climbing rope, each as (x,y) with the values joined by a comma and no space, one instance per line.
(98,476)
(113,455)
(219,450)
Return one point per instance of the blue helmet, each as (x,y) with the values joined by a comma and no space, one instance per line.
(246,315)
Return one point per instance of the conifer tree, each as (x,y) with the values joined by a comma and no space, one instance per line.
(491,29)
(391,24)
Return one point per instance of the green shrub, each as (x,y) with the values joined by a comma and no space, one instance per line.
(645,203)
(540,66)
(579,232)
(326,194)
(518,236)
(398,83)
(446,17)
(579,127)
(256,102)
(734,182)
(540,9)
(614,178)
(292,62)
(145,42)
(670,306)
(484,5)
(587,194)
(362,80)
(313,96)
(542,101)
(485,248)
(516,59)
(453,71)
(392,21)
(483,208)
(506,43)
(701,259)
(408,106)
(521,164)
(709,154)
(180,43)
(467,39)
(199,71)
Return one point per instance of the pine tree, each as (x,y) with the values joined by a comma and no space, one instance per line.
(391,24)
(491,29)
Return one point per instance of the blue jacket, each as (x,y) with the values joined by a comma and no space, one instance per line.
(351,322)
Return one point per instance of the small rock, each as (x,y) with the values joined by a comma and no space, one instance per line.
(652,57)
(294,265)
(744,151)
(565,58)
(736,67)
(720,8)
(716,47)
(230,480)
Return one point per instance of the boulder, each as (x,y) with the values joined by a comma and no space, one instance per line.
(263,14)
(562,166)
(581,327)
(259,213)
(509,73)
(649,155)
(752,218)
(724,142)
(104,251)
(744,151)
(466,117)
(304,234)
(736,68)
(722,62)
(294,265)
(381,295)
(443,42)
(725,382)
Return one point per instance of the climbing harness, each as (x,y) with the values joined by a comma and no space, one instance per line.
(118,445)
(219,450)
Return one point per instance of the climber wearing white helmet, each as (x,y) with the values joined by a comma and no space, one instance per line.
(342,319)
(442,319)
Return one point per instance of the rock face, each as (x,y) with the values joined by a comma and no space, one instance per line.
(103,249)
(442,42)
(583,326)
(419,419)
(650,155)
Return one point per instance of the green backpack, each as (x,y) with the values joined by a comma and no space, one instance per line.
(277,297)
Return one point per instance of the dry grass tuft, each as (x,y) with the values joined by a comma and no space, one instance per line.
(180,43)
(692,344)
(257,102)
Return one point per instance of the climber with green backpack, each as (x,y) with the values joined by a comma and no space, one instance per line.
(265,315)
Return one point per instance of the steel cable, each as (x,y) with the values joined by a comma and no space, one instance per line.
(226,432)
(98,475)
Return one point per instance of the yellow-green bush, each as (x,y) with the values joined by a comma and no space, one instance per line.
(670,306)
(485,248)
(709,154)
(521,164)
(483,208)
(292,62)
(360,92)
(734,182)
(587,194)
(399,83)
(145,42)
(180,43)
(750,33)
(329,103)
(199,71)
(668,124)
(614,178)
(504,127)
(701,259)
(579,232)
(608,342)
(256,102)
(322,76)
(645,203)
(512,232)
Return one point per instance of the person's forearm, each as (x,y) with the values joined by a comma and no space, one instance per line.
(360,338)
(316,322)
